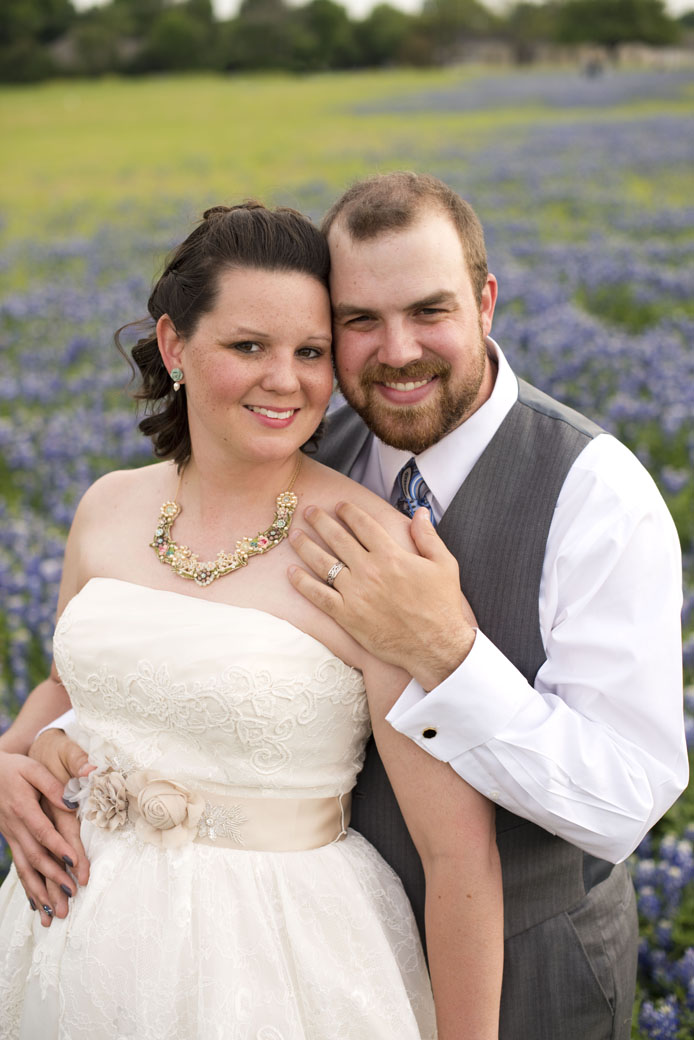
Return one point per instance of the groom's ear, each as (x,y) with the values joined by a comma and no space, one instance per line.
(488,303)
(169,342)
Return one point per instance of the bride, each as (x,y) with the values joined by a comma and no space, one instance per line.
(226,717)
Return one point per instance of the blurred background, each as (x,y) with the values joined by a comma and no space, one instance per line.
(568,125)
(40,38)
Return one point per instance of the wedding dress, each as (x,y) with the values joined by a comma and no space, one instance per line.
(249,734)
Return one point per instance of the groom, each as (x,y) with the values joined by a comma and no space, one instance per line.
(563,703)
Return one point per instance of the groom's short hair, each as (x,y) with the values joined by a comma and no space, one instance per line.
(394,201)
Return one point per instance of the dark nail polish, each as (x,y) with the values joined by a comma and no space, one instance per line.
(69,804)
(66,859)
(47,911)
(32,904)
(67,891)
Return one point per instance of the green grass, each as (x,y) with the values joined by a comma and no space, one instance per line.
(616,305)
(79,152)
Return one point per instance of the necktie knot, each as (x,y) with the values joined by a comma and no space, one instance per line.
(413,491)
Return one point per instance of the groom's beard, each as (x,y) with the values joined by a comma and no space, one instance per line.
(415,427)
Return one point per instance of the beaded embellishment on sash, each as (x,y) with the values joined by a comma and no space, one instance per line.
(221,821)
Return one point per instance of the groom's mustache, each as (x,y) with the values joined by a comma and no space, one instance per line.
(413,372)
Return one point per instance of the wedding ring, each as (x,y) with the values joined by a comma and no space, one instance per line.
(333,573)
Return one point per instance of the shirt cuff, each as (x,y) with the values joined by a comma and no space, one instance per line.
(60,723)
(468,708)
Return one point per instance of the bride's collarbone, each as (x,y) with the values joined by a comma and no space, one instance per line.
(120,548)
(126,554)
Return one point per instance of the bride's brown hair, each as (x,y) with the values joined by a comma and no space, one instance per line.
(228,237)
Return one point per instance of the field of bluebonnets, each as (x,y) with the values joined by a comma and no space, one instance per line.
(585,190)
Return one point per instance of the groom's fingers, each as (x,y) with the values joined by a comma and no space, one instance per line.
(315,557)
(341,542)
(366,530)
(317,592)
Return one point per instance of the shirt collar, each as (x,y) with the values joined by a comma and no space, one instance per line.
(445,465)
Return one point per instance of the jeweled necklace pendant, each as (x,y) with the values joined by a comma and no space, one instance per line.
(186,563)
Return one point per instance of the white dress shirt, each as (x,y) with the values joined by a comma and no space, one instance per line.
(595,752)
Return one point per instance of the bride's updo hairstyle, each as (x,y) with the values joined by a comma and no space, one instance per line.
(227,238)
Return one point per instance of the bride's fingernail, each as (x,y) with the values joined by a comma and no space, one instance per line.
(69,804)
(47,911)
(32,904)
(66,859)
(67,891)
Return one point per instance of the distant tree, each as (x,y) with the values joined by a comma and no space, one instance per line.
(451,23)
(324,36)
(25,61)
(382,36)
(260,37)
(39,20)
(141,13)
(26,26)
(687,19)
(102,40)
(201,10)
(526,25)
(611,22)
(95,49)
(177,40)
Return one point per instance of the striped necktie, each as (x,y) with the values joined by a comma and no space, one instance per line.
(413,491)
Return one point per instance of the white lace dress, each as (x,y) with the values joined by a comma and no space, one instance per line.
(207,937)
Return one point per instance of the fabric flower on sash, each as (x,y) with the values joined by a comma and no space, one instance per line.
(107,803)
(164,813)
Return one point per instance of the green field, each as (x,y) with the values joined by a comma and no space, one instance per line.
(76,153)
(79,151)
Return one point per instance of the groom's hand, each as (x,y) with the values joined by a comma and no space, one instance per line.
(404,608)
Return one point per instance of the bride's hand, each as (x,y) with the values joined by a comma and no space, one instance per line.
(64,759)
(37,848)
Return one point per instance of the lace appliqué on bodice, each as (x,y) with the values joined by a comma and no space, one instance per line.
(287,715)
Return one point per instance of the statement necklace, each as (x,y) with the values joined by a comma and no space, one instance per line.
(186,563)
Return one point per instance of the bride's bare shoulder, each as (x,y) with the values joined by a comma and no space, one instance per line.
(330,488)
(124,489)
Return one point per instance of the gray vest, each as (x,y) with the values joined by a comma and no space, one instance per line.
(497,527)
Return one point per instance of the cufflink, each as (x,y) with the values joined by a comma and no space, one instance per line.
(428,733)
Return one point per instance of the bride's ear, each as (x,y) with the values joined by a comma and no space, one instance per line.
(169,342)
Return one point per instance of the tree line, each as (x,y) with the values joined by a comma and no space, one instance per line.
(47,38)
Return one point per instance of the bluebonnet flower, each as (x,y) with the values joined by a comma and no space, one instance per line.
(660,1021)
(690,996)
(684,968)
(663,934)
(649,903)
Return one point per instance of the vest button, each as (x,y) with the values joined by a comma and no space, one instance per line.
(428,733)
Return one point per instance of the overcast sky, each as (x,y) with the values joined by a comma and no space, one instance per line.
(356,8)
(359,8)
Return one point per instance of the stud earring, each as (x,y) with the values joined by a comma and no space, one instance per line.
(177,376)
